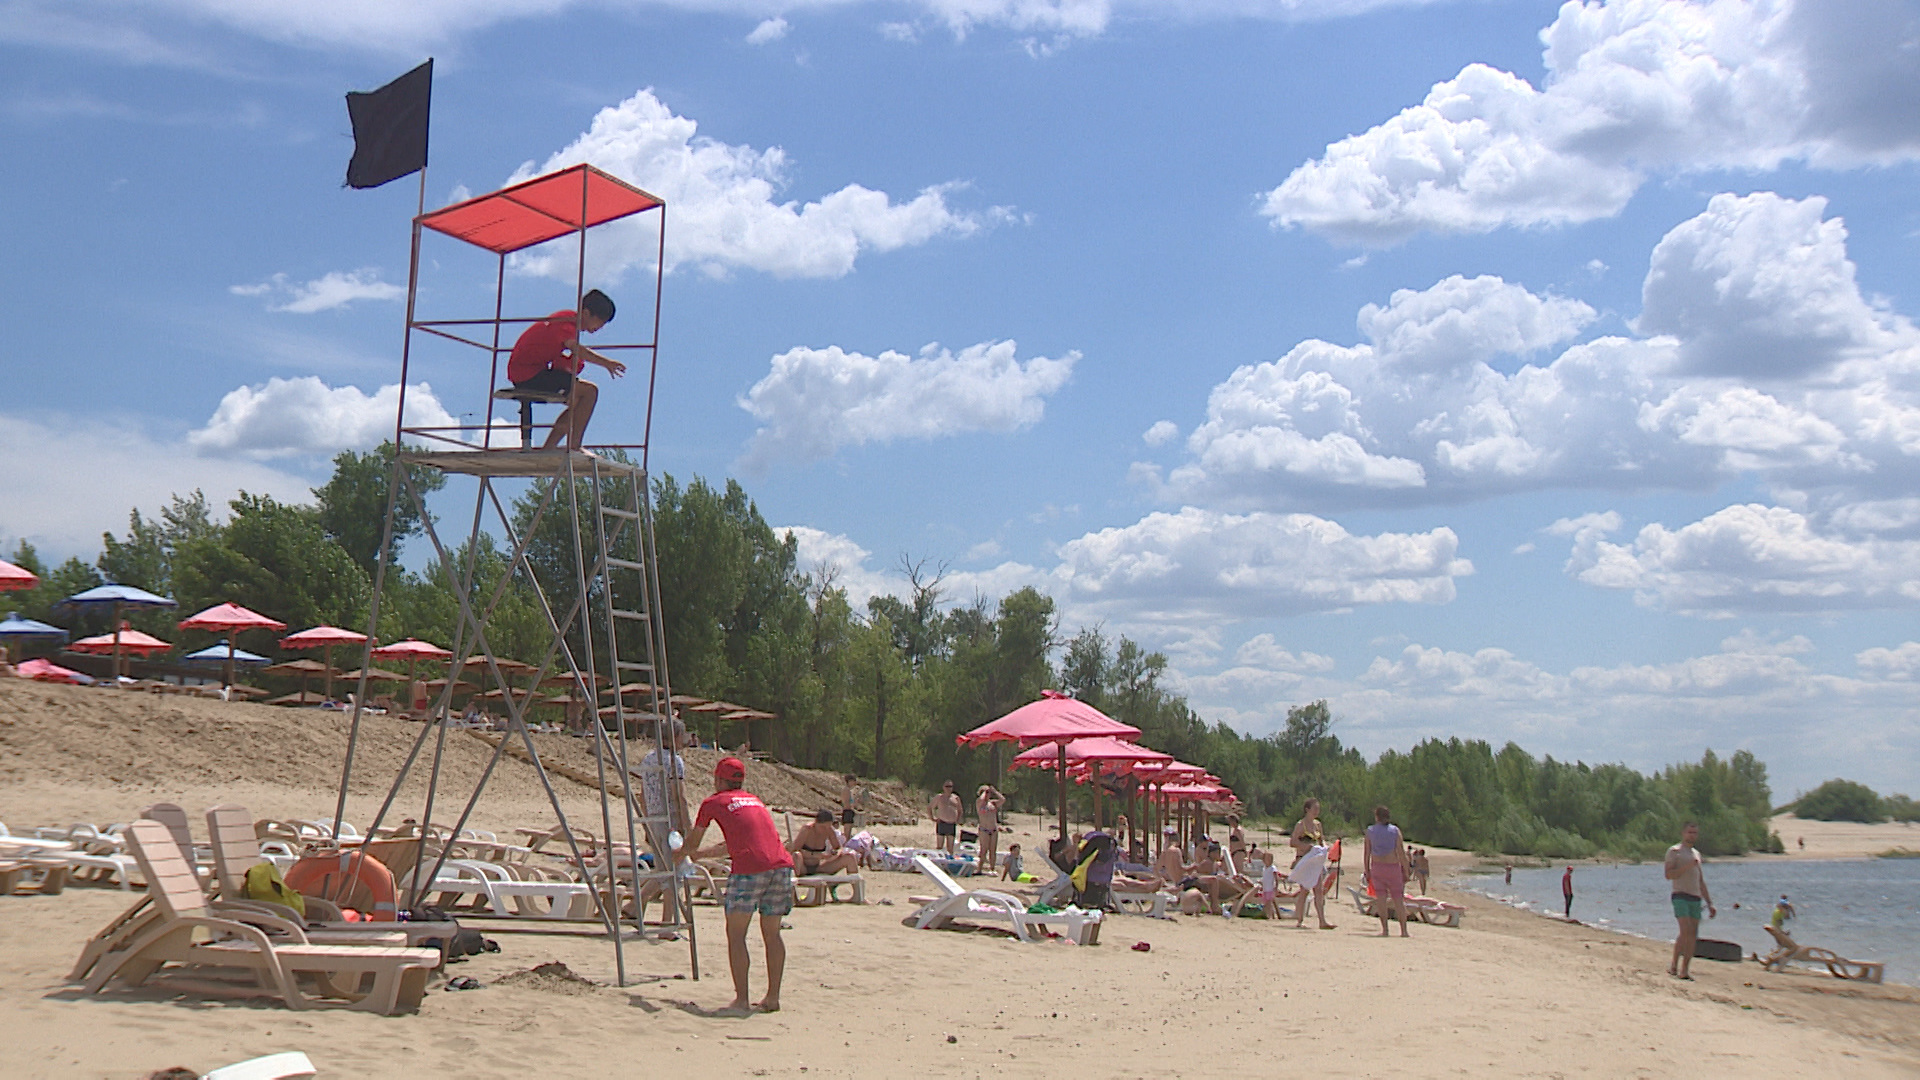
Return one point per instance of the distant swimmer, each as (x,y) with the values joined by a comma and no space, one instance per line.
(548,356)
(1782,911)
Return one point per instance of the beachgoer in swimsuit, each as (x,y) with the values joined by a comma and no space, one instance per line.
(1236,839)
(817,849)
(1421,868)
(944,809)
(1689,889)
(1307,841)
(850,798)
(1010,867)
(986,805)
(1384,868)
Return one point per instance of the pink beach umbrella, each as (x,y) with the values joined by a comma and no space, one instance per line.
(14,577)
(412,651)
(1057,719)
(323,638)
(48,671)
(230,619)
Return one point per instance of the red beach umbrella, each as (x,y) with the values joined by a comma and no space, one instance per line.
(412,651)
(14,577)
(323,638)
(230,619)
(129,640)
(1055,718)
(48,671)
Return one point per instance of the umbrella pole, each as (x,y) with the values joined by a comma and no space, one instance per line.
(1062,771)
(326,655)
(229,671)
(116,641)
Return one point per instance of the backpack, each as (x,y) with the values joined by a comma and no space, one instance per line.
(264,882)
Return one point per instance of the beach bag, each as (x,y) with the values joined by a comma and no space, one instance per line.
(263,882)
(1079,875)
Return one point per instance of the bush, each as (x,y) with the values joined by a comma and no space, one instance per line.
(1841,800)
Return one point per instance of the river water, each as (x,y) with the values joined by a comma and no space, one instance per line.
(1866,909)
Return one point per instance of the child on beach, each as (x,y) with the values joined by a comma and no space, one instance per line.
(548,356)
(1010,865)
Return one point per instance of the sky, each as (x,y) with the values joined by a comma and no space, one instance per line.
(1488,368)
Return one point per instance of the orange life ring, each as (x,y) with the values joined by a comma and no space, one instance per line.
(352,879)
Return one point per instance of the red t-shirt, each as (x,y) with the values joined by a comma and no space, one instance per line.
(752,841)
(543,345)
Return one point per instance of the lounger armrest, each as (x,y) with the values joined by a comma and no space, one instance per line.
(257,921)
(253,934)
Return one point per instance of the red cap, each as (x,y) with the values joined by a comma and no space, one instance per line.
(730,768)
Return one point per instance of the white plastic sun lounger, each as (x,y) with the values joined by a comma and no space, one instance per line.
(988,905)
(508,897)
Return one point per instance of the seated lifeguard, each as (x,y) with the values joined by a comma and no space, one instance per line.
(549,357)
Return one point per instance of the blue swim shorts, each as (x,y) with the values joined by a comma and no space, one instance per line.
(1687,907)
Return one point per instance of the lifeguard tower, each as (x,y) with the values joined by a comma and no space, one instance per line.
(603,614)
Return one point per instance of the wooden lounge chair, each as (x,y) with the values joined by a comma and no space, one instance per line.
(815,890)
(1791,951)
(187,933)
(988,905)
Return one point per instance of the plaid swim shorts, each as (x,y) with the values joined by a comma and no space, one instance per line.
(769,892)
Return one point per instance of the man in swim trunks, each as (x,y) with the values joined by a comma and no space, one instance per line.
(761,882)
(817,849)
(945,812)
(1689,894)
(548,356)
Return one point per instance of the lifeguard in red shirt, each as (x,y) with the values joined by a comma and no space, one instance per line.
(549,357)
(761,882)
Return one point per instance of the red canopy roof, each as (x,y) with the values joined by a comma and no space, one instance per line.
(542,209)
(48,671)
(1169,772)
(132,641)
(412,649)
(230,617)
(1086,752)
(321,635)
(1054,718)
(14,577)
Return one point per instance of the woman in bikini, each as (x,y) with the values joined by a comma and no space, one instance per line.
(986,806)
(1310,863)
(817,850)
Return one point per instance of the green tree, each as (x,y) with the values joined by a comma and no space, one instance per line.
(353,504)
(1841,800)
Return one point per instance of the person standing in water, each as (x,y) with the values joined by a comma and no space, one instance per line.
(1566,890)
(1689,887)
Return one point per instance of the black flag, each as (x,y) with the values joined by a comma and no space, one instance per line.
(390,129)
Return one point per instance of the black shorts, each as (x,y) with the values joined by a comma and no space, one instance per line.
(847,817)
(552,381)
(946,828)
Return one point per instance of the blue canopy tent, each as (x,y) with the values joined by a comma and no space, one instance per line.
(217,653)
(120,597)
(14,628)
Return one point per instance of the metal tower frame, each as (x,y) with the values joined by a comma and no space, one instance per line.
(613,614)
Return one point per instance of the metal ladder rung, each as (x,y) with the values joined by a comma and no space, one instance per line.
(637,616)
(625,564)
(608,511)
(628,665)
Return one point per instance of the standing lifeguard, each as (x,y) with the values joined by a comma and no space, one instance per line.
(549,357)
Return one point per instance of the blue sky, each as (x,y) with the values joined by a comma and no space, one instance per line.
(1486,367)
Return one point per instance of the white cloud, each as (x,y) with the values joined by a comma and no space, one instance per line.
(769,30)
(1763,359)
(1634,88)
(333,290)
(62,507)
(1899,664)
(1752,558)
(156,32)
(727,212)
(1753,693)
(304,416)
(815,401)
(1761,286)
(1201,565)
(1161,433)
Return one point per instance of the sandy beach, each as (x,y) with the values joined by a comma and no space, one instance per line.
(1508,993)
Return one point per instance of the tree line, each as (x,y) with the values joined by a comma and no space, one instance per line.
(881,689)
